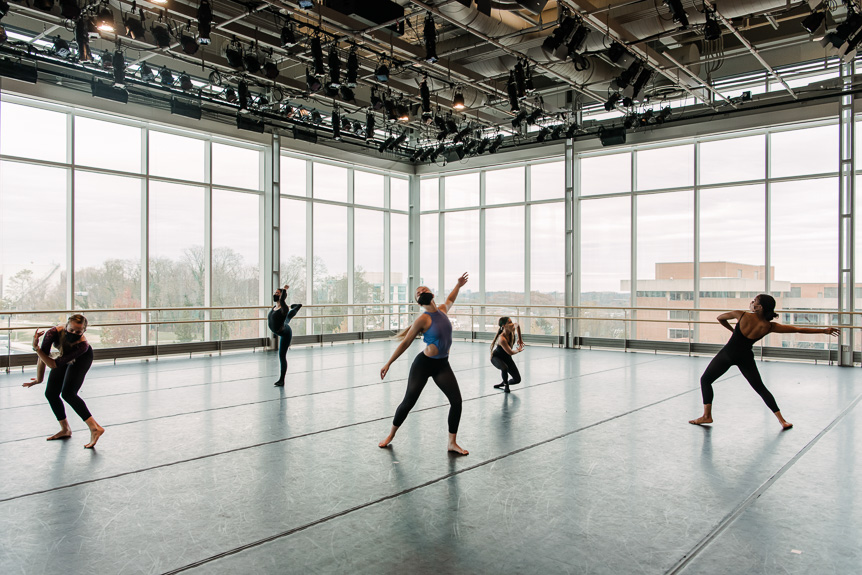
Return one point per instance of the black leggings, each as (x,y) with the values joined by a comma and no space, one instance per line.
(744,360)
(504,362)
(285,334)
(439,370)
(65,381)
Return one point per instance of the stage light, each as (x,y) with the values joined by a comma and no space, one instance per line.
(437,151)
(417,153)
(495,144)
(611,102)
(512,93)
(270,69)
(534,116)
(369,126)
(483,145)
(251,61)
(147,74)
(616,52)
(451,126)
(186,109)
(571,131)
(186,82)
(69,9)
(205,21)
(426,154)
(352,68)
(45,5)
(563,31)
(430,33)
(230,95)
(317,55)
(135,26)
(161,35)
(520,79)
(677,12)
(104,19)
(376,100)
(543,134)
(557,131)
(399,140)
(249,124)
(61,48)
(576,42)
(357,127)
(712,29)
(347,94)
(402,113)
(645,118)
(458,99)
(641,82)
(813,21)
(244,97)
(387,143)
(529,81)
(382,72)
(519,119)
(188,43)
(630,121)
(118,65)
(336,125)
(106,92)
(334,68)
(612,136)
(461,135)
(425,95)
(628,76)
(288,37)
(663,115)
(166,77)
(316,117)
(83,40)
(469,146)
(312,82)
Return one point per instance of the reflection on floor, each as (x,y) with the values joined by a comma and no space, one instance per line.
(589,466)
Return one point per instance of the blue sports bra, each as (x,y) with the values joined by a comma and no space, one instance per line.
(440,334)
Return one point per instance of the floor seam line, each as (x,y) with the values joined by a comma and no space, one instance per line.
(731,517)
(414,488)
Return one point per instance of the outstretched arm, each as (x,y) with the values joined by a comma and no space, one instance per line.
(422,323)
(780,328)
(450,301)
(723,318)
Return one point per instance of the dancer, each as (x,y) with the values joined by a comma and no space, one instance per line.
(431,362)
(501,355)
(67,375)
(750,327)
(279,322)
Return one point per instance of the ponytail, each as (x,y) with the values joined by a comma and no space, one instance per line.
(501,323)
(767,302)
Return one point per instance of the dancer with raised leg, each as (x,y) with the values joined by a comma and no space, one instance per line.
(751,326)
(502,350)
(279,323)
(431,362)
(68,371)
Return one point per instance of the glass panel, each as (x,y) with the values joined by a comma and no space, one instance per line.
(236,167)
(18,138)
(108,255)
(176,157)
(32,239)
(367,189)
(671,167)
(429,194)
(330,182)
(504,186)
(462,191)
(293,177)
(177,262)
(398,270)
(123,152)
(547,265)
(665,236)
(330,266)
(293,257)
(802,152)
(504,255)
(734,160)
(804,258)
(399,194)
(461,245)
(606,174)
(732,238)
(605,265)
(368,279)
(236,263)
(430,247)
(548,181)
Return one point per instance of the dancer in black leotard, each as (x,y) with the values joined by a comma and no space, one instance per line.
(67,374)
(750,327)
(432,362)
(502,351)
(279,323)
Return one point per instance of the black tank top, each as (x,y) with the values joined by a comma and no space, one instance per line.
(739,342)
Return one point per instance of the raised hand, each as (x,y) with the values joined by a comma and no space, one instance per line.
(463,279)
(36,337)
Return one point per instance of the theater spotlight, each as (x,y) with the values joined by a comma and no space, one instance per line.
(461,135)
(611,103)
(147,74)
(495,144)
(677,11)
(312,82)
(244,97)
(162,36)
(813,21)
(399,140)
(426,154)
(534,116)
(425,95)
(188,42)
(512,93)
(270,69)
(70,10)
(451,126)
(61,48)
(402,114)
(288,37)
(557,131)
(387,143)
(643,79)
(470,146)
(205,21)
(458,99)
(82,38)
(571,131)
(251,60)
(317,55)
(612,136)
(519,119)
(334,68)
(369,126)
(543,134)
(316,117)
(520,80)
(483,145)
(336,125)
(576,42)
(104,18)
(663,115)
(352,68)
(186,82)
(166,77)
(529,82)
(135,26)
(430,33)
(118,68)
(230,95)
(712,29)
(376,100)
(628,76)
(382,72)
(357,127)
(563,31)
(417,153)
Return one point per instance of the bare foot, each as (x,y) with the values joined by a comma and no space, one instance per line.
(786,425)
(701,420)
(60,435)
(95,434)
(387,441)
(454,447)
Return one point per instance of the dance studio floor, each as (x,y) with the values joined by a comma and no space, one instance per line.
(589,466)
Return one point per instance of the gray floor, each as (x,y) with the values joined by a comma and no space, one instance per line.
(589,466)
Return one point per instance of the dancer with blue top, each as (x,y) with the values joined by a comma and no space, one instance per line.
(431,362)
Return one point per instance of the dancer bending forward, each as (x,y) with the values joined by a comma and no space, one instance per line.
(750,327)
(432,362)
(279,323)
(67,374)
(502,351)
